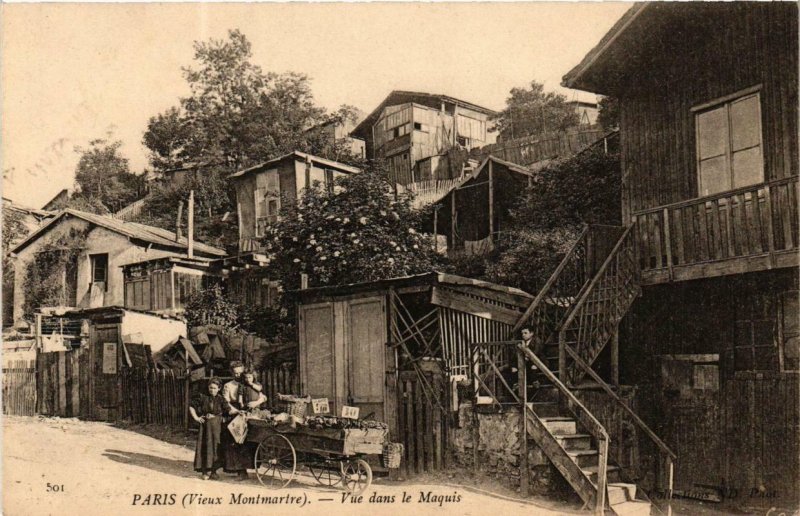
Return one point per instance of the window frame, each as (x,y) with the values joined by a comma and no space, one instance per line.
(720,102)
(93,268)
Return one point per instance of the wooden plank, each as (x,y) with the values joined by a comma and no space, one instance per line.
(718,241)
(410,433)
(457,301)
(786,216)
(419,434)
(62,383)
(655,227)
(702,226)
(752,223)
(429,433)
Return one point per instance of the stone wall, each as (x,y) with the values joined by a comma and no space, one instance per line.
(498,451)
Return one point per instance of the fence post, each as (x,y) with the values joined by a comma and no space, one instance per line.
(522,386)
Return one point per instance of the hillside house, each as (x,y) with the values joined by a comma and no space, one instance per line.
(338,135)
(670,345)
(262,190)
(708,115)
(414,133)
(101,246)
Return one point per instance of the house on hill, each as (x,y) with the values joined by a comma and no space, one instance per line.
(262,190)
(96,247)
(414,133)
(708,99)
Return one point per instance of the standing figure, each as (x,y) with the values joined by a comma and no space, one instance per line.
(252,396)
(236,457)
(207,410)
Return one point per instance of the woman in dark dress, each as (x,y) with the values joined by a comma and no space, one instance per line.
(207,410)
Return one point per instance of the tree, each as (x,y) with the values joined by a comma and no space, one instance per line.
(532,111)
(608,113)
(235,116)
(356,232)
(103,176)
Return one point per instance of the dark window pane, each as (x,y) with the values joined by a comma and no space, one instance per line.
(743,359)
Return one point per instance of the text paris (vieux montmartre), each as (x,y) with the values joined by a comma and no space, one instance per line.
(187,500)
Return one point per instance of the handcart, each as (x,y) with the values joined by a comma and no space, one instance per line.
(333,456)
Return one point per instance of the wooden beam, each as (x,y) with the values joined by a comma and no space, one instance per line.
(491,201)
(522,387)
(457,301)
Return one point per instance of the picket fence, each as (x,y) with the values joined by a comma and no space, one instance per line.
(19,388)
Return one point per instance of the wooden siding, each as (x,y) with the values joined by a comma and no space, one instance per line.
(741,45)
(753,419)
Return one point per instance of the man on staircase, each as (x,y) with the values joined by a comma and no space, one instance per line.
(538,349)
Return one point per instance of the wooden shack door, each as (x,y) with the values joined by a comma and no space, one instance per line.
(365,337)
(318,354)
(105,358)
(690,406)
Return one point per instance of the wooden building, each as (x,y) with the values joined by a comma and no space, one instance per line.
(414,133)
(474,213)
(102,246)
(708,96)
(262,190)
(164,285)
(390,348)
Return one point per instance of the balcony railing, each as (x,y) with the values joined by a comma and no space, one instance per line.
(711,236)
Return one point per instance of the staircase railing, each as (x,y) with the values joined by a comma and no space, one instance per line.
(662,447)
(586,419)
(550,306)
(601,305)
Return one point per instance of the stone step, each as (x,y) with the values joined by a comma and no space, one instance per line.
(632,508)
(621,492)
(612,473)
(575,441)
(560,425)
(583,458)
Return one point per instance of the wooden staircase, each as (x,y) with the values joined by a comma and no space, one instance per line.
(575,315)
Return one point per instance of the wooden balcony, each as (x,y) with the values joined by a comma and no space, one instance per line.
(745,230)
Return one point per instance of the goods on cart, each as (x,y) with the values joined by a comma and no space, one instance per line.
(294,405)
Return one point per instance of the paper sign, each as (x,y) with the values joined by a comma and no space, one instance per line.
(350,412)
(320,406)
(110,358)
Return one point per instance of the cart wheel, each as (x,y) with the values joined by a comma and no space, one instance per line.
(325,476)
(356,476)
(275,461)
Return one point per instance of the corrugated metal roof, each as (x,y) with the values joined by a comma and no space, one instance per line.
(157,236)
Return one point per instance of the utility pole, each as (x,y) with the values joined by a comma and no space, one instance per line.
(190,226)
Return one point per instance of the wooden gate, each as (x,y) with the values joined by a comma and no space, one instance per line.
(19,388)
(423,422)
(62,381)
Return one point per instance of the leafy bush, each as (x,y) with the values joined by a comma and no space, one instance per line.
(359,231)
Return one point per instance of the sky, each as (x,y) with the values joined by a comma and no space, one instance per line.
(71,73)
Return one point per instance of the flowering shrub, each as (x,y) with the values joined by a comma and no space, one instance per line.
(359,231)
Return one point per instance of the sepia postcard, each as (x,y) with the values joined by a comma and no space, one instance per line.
(400,258)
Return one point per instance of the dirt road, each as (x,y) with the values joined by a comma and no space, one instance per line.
(57,466)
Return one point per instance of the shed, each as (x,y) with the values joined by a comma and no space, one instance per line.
(365,344)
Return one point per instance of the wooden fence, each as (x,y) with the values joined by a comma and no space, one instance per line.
(283,380)
(423,422)
(152,396)
(19,388)
(63,384)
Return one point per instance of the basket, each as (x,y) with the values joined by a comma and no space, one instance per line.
(392,453)
(293,405)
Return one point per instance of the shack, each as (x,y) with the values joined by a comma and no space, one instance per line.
(392,348)
(83,378)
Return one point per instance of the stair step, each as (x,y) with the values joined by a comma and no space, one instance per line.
(619,492)
(574,441)
(560,425)
(612,473)
(544,408)
(632,508)
(583,458)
